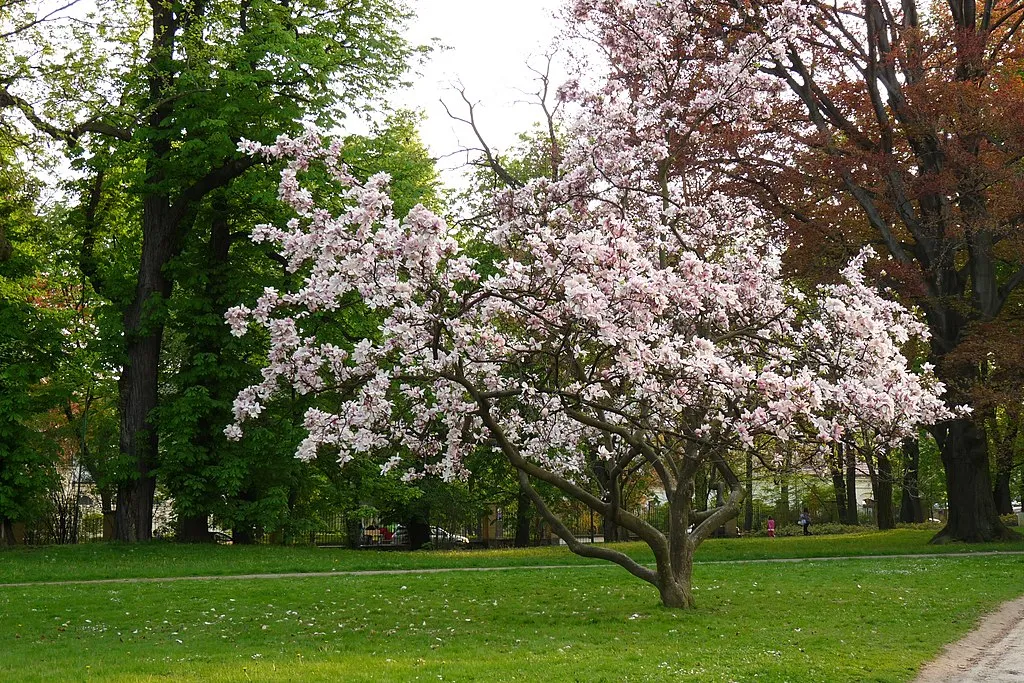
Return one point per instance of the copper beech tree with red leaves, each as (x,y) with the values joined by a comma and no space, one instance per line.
(916,112)
(897,124)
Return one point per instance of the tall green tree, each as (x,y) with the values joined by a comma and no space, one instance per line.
(30,346)
(258,485)
(167,90)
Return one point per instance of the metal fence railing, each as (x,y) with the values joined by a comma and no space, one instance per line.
(496,526)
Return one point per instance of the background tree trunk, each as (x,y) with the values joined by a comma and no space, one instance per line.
(143,330)
(883,493)
(852,504)
(911,511)
(243,534)
(1004,437)
(6,248)
(782,506)
(972,512)
(7,531)
(748,503)
(194,529)
(523,518)
(419,533)
(835,466)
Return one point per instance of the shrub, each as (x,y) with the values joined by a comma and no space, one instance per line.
(826,529)
(926,526)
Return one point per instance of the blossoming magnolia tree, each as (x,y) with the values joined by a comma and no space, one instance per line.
(612,321)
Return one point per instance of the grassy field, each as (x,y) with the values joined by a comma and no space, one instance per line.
(839,620)
(851,620)
(102,561)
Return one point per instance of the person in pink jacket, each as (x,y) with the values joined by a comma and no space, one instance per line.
(771,527)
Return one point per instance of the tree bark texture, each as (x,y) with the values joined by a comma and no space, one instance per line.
(972,512)
(143,326)
(782,506)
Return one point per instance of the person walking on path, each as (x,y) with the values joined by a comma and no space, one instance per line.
(805,521)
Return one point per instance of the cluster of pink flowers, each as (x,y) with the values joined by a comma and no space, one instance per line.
(613,313)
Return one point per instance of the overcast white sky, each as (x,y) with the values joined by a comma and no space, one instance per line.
(489,43)
(485,45)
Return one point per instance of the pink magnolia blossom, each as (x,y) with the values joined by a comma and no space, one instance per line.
(618,320)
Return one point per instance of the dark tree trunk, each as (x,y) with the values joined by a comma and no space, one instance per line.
(523,518)
(419,533)
(883,493)
(6,248)
(835,466)
(143,329)
(194,529)
(701,488)
(1001,495)
(782,507)
(7,531)
(911,510)
(972,513)
(1004,439)
(839,490)
(610,528)
(164,213)
(243,534)
(852,508)
(748,503)
(609,478)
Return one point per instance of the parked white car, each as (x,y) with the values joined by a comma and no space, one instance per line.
(438,536)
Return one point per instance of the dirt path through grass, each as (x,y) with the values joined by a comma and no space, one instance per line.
(441,570)
(994,651)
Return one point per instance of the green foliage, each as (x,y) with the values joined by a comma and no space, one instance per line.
(256,484)
(153,104)
(31,344)
(931,473)
(394,147)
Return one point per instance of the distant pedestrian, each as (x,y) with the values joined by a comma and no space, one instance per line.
(805,521)
(771,527)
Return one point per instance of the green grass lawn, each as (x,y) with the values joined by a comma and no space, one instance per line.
(846,620)
(855,620)
(102,560)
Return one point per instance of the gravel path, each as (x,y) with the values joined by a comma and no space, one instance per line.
(993,652)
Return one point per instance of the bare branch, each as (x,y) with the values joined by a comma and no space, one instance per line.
(490,158)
